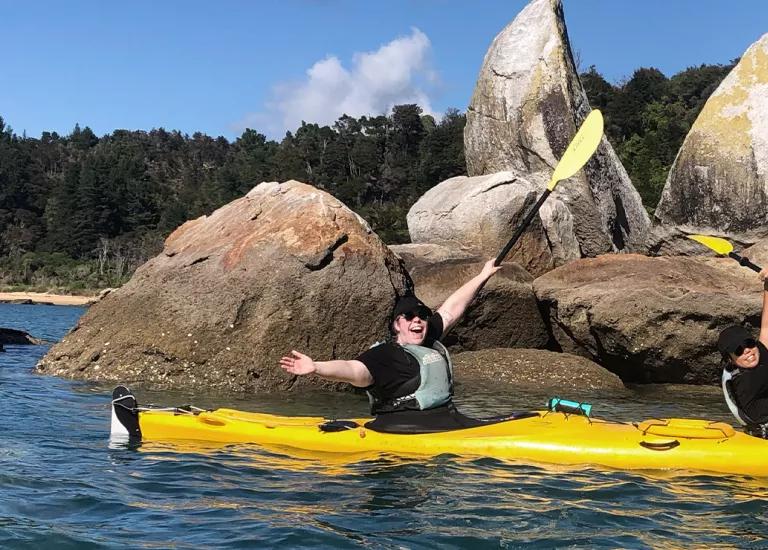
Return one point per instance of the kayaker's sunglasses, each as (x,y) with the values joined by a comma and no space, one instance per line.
(422,313)
(741,348)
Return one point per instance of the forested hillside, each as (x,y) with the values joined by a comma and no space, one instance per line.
(648,117)
(82,211)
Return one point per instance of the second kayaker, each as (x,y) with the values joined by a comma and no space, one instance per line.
(745,372)
(409,377)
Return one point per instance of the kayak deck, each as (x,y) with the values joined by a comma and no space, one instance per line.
(549,437)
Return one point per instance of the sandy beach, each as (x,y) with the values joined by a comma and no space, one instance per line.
(46,298)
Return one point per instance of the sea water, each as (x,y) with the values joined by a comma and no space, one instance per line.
(63,486)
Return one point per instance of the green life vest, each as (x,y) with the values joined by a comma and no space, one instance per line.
(435,382)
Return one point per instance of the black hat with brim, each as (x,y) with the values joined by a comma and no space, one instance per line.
(408,303)
(732,338)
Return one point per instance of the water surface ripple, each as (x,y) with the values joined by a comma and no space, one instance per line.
(63,486)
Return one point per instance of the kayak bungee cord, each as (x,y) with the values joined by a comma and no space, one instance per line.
(184,409)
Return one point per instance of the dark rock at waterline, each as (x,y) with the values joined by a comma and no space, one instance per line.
(287,266)
(649,319)
(10,336)
(534,369)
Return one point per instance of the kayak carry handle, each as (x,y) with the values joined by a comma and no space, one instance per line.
(660,445)
(569,407)
(338,425)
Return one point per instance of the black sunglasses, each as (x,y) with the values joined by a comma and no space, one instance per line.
(422,313)
(741,348)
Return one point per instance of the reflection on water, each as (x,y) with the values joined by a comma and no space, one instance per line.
(454,501)
(63,486)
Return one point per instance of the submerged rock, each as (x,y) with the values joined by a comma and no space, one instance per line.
(287,266)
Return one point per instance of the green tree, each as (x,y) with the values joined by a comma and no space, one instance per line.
(83,139)
(442,154)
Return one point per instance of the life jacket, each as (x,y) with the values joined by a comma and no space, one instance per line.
(432,387)
(750,426)
(730,398)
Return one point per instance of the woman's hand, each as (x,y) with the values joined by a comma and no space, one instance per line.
(298,363)
(489,269)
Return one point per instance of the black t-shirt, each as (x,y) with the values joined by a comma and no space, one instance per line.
(750,388)
(392,367)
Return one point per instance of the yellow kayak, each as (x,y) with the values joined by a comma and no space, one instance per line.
(542,436)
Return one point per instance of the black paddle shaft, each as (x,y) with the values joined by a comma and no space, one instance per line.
(745,262)
(522,227)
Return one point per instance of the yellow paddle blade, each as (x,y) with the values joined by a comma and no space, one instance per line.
(721,246)
(582,146)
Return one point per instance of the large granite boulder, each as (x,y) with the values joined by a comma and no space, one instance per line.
(415,254)
(287,266)
(649,319)
(719,180)
(526,108)
(757,253)
(503,315)
(479,214)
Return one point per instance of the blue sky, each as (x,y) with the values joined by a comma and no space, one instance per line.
(217,67)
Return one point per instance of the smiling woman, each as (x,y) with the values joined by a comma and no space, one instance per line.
(409,378)
(745,376)
(745,371)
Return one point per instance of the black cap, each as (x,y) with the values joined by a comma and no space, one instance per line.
(731,338)
(408,303)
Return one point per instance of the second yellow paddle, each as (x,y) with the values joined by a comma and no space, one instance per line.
(724,248)
(582,147)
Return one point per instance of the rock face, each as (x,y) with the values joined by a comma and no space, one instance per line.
(479,214)
(535,369)
(719,181)
(503,315)
(285,267)
(414,254)
(526,107)
(649,319)
(757,253)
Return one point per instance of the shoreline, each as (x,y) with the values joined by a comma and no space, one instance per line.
(47,298)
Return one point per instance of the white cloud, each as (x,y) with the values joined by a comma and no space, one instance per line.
(396,73)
